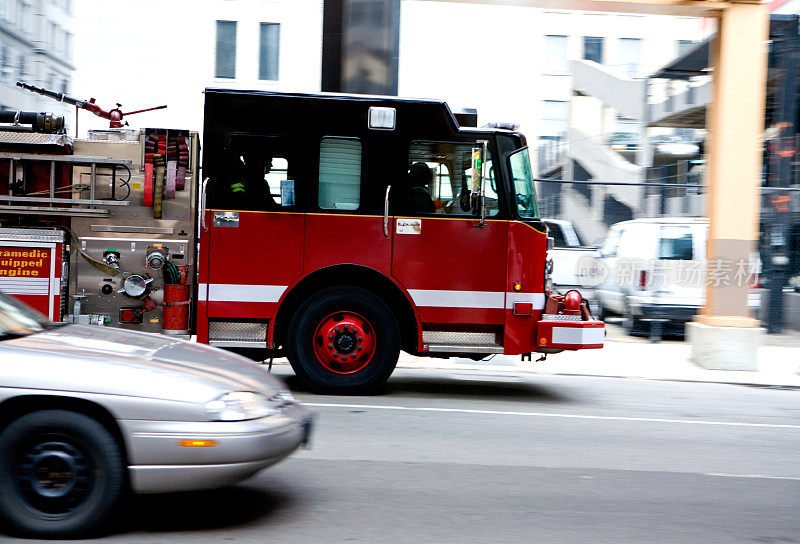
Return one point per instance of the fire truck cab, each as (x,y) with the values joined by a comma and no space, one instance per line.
(339,230)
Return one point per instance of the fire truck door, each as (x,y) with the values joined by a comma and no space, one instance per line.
(256,240)
(339,231)
(453,268)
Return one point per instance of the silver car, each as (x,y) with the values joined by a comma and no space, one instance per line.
(87,413)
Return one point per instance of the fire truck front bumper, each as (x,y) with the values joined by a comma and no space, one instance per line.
(562,332)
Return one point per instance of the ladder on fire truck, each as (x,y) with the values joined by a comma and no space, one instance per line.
(64,206)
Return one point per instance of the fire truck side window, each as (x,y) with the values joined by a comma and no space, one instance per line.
(439,180)
(339,174)
(256,174)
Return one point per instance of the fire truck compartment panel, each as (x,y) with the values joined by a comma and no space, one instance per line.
(32,267)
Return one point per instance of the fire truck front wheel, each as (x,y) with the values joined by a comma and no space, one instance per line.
(343,340)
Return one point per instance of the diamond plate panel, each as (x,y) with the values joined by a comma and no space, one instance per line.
(236,331)
(9,137)
(559,317)
(33,235)
(459,338)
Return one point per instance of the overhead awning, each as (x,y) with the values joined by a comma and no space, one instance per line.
(693,62)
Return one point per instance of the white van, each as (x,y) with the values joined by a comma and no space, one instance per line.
(654,273)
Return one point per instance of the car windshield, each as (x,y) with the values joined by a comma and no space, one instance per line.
(524,191)
(16,319)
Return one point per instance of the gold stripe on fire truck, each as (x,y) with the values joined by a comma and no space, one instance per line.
(380,216)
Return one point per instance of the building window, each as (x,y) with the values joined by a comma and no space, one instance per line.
(226,50)
(339,174)
(5,62)
(269,49)
(22,69)
(68,45)
(593,48)
(684,46)
(555,118)
(555,54)
(630,55)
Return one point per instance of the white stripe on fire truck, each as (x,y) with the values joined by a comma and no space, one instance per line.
(578,336)
(25,286)
(230,292)
(458,299)
(537,299)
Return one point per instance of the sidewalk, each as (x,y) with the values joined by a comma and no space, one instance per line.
(627,357)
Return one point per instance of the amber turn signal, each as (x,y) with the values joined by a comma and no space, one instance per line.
(197,443)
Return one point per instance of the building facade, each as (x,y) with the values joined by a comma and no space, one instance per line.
(37,39)
(145,53)
(510,63)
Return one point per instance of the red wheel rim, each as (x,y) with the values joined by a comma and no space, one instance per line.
(344,342)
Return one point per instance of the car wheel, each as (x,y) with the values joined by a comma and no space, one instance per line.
(343,340)
(632,325)
(62,474)
(599,311)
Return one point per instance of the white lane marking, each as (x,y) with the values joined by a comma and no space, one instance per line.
(548,414)
(756,476)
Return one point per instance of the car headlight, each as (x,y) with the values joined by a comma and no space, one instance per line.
(240,405)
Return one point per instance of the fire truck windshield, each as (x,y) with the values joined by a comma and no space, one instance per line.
(524,190)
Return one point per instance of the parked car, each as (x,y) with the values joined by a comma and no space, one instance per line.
(674,145)
(88,413)
(654,272)
(573,261)
(624,141)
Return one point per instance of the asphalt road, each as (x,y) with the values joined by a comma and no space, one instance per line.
(472,457)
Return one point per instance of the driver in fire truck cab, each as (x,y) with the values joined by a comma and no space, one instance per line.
(258,173)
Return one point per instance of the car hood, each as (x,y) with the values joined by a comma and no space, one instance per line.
(120,362)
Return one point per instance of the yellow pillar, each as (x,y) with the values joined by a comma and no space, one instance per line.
(734,154)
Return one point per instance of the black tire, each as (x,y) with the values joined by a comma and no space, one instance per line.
(323,309)
(602,313)
(61,475)
(632,325)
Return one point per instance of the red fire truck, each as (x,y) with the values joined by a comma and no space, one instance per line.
(335,230)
